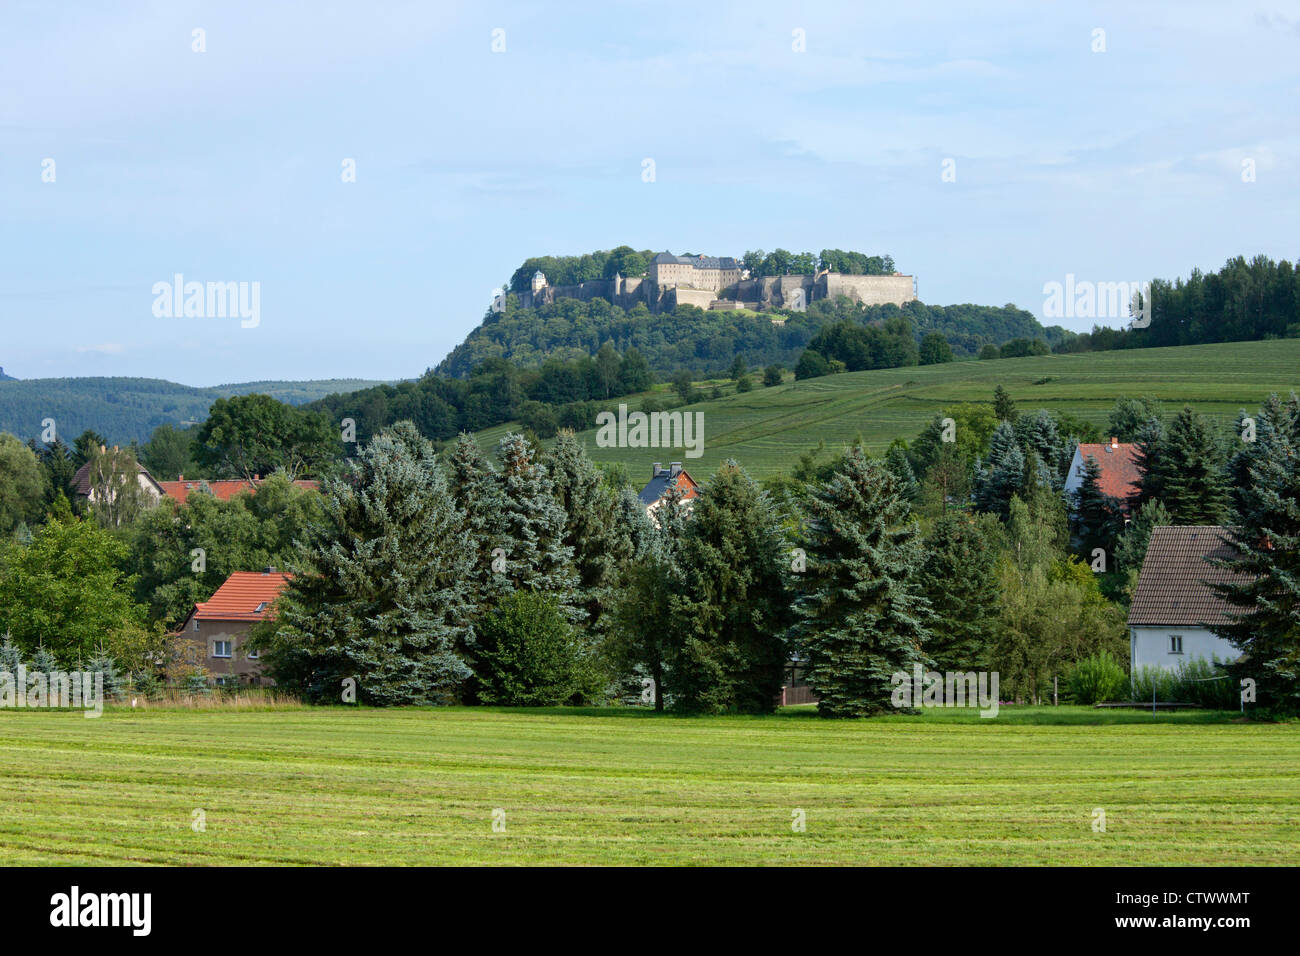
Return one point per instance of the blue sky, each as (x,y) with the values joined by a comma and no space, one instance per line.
(225,165)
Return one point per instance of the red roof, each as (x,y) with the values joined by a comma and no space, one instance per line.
(1120,474)
(222,489)
(240,598)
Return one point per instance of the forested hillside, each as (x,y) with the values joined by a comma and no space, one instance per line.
(707,342)
(127,409)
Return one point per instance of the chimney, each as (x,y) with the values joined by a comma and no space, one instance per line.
(1114,443)
(658,467)
(180,477)
(257,477)
(676,467)
(270,569)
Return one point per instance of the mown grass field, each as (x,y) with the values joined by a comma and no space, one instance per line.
(768,428)
(353,787)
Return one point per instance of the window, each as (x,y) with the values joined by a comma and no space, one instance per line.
(251,655)
(1175,643)
(220,648)
(260,608)
(196,624)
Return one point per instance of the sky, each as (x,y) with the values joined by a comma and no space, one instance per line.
(1108,141)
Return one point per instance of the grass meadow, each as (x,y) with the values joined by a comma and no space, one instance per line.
(625,786)
(767,428)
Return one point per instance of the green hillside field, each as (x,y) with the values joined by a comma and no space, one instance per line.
(336,786)
(766,429)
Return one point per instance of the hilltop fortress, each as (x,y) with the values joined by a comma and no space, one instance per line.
(710,282)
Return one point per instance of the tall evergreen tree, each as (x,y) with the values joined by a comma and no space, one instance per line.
(1190,471)
(1003,475)
(898,465)
(1148,445)
(1131,549)
(386,600)
(730,619)
(1266,592)
(1098,517)
(591,530)
(1039,434)
(862,616)
(958,579)
(537,558)
(1003,406)
(1274,421)
(476,488)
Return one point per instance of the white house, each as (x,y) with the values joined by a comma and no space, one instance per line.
(1174,609)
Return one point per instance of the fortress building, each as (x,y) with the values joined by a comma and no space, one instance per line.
(712,282)
(694,272)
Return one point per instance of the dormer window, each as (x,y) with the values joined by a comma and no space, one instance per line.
(260,608)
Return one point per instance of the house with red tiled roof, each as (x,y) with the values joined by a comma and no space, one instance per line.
(222,488)
(218,628)
(1120,474)
(1175,608)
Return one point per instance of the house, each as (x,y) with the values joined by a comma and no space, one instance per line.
(85,489)
(661,479)
(1120,475)
(222,489)
(218,627)
(1174,609)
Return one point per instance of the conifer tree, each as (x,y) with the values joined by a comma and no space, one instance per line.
(898,465)
(1003,406)
(476,488)
(730,620)
(861,617)
(1131,549)
(11,656)
(591,530)
(1147,447)
(1274,421)
(958,579)
(1039,434)
(1266,591)
(1003,475)
(386,599)
(1190,471)
(537,558)
(114,680)
(43,662)
(1098,518)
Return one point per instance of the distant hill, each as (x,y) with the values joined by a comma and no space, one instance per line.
(6,378)
(707,342)
(768,428)
(127,409)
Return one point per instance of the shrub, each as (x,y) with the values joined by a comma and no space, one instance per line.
(529,655)
(772,376)
(1197,681)
(1096,678)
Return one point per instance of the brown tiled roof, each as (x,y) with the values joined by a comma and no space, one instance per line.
(1174,586)
(1120,474)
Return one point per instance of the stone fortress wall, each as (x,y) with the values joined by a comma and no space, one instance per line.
(670,284)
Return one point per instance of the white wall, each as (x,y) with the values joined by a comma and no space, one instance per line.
(1150,646)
